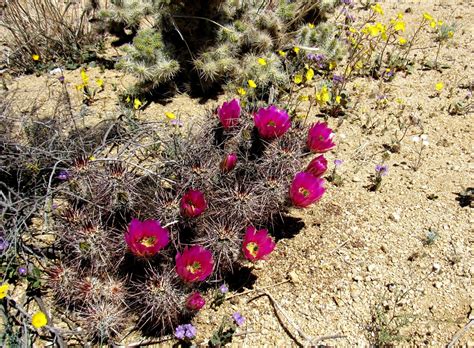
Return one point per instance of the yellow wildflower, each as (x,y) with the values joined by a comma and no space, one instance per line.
(282,53)
(332,65)
(35,57)
(353,30)
(170,115)
(439,86)
(338,99)
(100,83)
(92,158)
(84,77)
(241,91)
(80,87)
(402,40)
(252,84)
(128,99)
(377,8)
(39,320)
(303,98)
(298,79)
(440,23)
(399,25)
(3,290)
(450,34)
(137,103)
(359,65)
(323,96)
(433,24)
(428,17)
(296,50)
(262,61)
(400,15)
(311,25)
(309,74)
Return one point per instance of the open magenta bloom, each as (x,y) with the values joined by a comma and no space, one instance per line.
(306,189)
(193,203)
(195,263)
(271,122)
(229,113)
(257,244)
(229,162)
(320,138)
(195,301)
(317,166)
(146,238)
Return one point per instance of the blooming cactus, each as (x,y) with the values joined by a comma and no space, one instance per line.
(194,264)
(317,166)
(229,113)
(146,238)
(257,244)
(195,301)
(306,189)
(229,162)
(320,138)
(193,203)
(271,122)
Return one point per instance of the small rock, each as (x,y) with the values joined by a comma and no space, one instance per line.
(436,267)
(357,278)
(293,277)
(395,216)
(438,285)
(355,179)
(371,268)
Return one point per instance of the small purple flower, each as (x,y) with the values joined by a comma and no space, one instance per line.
(337,79)
(176,123)
(63,175)
(22,271)
(319,59)
(348,2)
(223,289)
(238,318)
(61,79)
(3,244)
(185,331)
(382,170)
(338,162)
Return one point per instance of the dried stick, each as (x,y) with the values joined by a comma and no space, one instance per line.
(461,333)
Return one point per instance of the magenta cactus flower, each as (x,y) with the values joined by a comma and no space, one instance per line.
(317,166)
(229,113)
(146,238)
(320,138)
(229,162)
(257,244)
(306,189)
(194,264)
(193,203)
(195,301)
(271,122)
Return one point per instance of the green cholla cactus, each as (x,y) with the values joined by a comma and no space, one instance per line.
(324,37)
(147,60)
(218,63)
(264,75)
(126,13)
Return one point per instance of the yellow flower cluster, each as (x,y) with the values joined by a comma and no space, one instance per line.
(377,8)
(375,30)
(322,96)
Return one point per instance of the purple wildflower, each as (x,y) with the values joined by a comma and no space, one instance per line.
(185,331)
(319,59)
(22,271)
(63,175)
(176,123)
(3,244)
(61,79)
(238,318)
(223,289)
(338,162)
(337,79)
(382,170)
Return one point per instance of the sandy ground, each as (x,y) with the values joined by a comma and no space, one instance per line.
(362,262)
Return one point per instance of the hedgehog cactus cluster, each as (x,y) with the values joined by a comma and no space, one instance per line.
(208,209)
